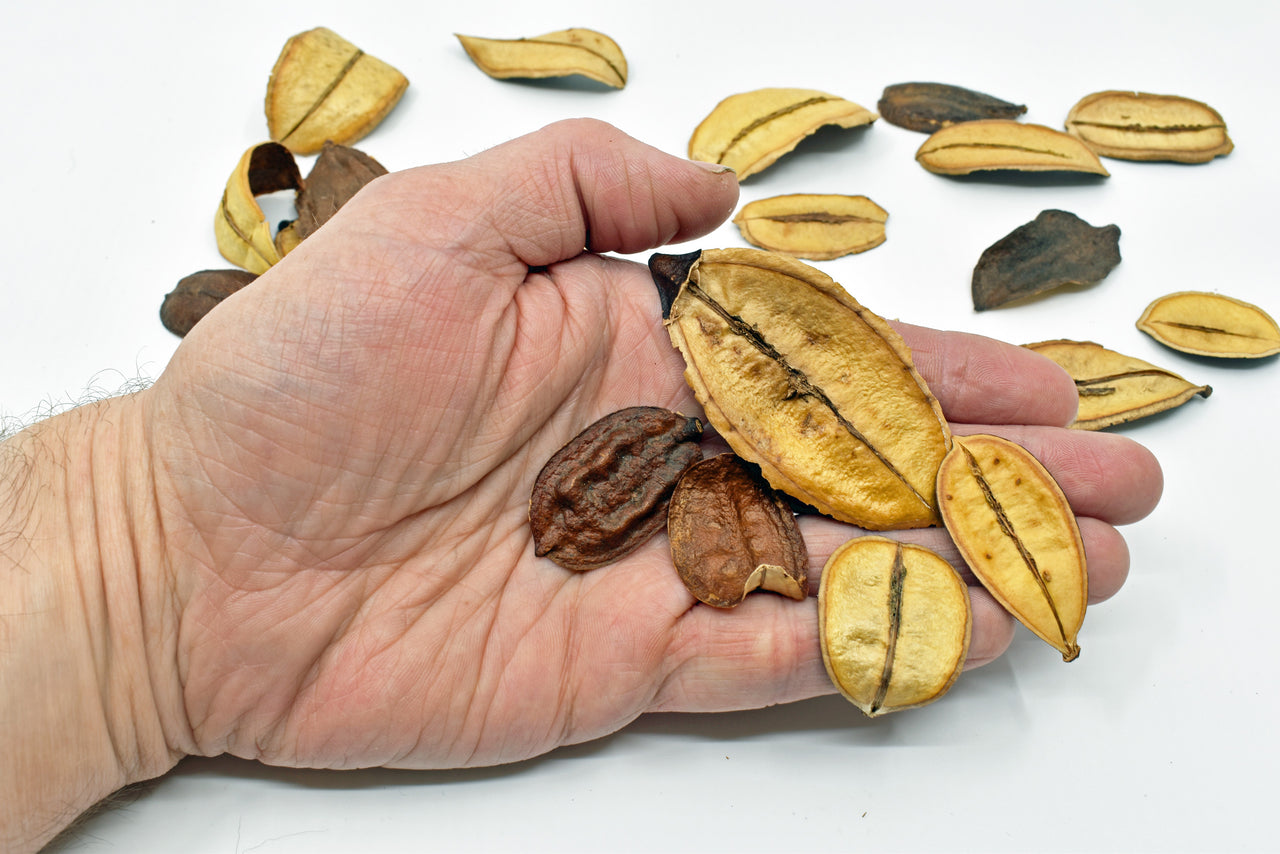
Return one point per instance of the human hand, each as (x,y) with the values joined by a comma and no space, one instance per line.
(344,452)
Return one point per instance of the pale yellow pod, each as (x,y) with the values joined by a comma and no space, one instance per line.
(814,226)
(323,87)
(1018,534)
(748,132)
(894,623)
(1206,324)
(240,227)
(1143,126)
(1115,388)
(559,54)
(996,144)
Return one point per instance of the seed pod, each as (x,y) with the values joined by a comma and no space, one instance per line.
(731,534)
(1207,324)
(803,381)
(1116,389)
(993,144)
(818,227)
(1056,248)
(560,54)
(325,88)
(1142,126)
(894,623)
(929,107)
(748,132)
(240,227)
(196,295)
(605,493)
(1016,531)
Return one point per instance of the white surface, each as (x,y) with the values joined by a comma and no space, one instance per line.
(124,119)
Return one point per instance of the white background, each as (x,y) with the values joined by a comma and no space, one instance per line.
(122,121)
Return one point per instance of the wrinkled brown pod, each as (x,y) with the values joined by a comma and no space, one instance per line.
(605,493)
(732,534)
(196,295)
(929,107)
(1056,248)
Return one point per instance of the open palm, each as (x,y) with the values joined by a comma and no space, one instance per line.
(346,448)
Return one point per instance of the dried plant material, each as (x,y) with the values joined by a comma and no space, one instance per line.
(1056,248)
(338,174)
(605,493)
(560,54)
(196,295)
(748,132)
(1114,388)
(817,227)
(996,144)
(1207,324)
(1142,126)
(1016,531)
(732,534)
(894,624)
(325,88)
(240,227)
(806,383)
(929,107)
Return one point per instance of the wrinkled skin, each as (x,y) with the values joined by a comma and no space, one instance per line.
(344,452)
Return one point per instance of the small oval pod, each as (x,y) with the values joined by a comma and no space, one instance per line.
(814,226)
(1018,534)
(748,132)
(1143,126)
(894,623)
(1206,324)
(997,144)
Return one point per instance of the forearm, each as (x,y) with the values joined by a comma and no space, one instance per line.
(87,700)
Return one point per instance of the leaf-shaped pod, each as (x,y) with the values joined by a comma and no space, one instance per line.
(325,88)
(994,144)
(1143,126)
(894,624)
(1018,534)
(802,380)
(732,534)
(1206,324)
(815,226)
(240,227)
(1114,388)
(1056,248)
(748,132)
(929,107)
(560,54)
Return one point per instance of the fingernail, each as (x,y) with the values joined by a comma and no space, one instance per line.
(713,168)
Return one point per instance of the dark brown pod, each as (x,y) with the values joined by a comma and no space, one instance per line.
(605,493)
(732,534)
(196,295)
(1057,248)
(338,174)
(929,107)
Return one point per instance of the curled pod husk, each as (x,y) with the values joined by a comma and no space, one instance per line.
(929,107)
(323,87)
(560,54)
(1004,144)
(605,493)
(1143,126)
(1206,324)
(1115,388)
(814,226)
(732,534)
(749,131)
(1016,531)
(240,227)
(894,623)
(805,382)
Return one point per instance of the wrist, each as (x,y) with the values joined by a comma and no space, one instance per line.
(88,682)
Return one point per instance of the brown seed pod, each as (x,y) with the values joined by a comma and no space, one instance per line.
(732,534)
(196,295)
(929,107)
(894,623)
(805,382)
(1018,534)
(605,493)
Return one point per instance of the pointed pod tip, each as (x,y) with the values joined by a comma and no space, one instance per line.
(670,273)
